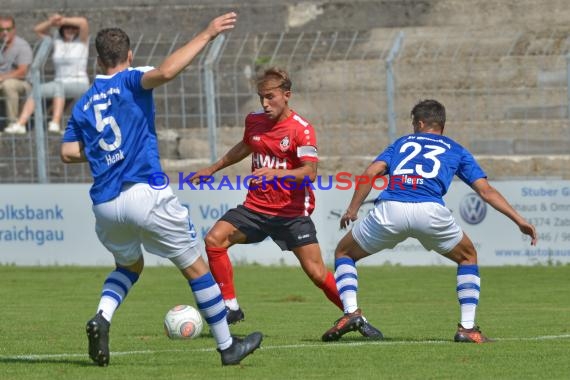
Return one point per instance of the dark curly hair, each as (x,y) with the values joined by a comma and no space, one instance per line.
(112,45)
(430,111)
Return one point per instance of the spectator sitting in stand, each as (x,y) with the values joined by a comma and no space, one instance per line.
(71,49)
(15,58)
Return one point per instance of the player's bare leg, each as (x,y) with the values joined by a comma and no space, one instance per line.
(220,237)
(311,261)
(468,289)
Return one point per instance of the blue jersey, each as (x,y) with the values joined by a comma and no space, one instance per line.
(422,166)
(114,120)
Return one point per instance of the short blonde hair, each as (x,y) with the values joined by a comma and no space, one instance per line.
(278,74)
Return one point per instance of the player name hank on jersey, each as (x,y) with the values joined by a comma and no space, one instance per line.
(114,157)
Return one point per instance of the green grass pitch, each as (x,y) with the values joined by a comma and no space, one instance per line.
(527,309)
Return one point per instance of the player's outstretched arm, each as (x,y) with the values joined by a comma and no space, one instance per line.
(361,191)
(492,196)
(177,61)
(239,151)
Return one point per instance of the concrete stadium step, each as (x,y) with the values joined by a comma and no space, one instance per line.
(538,112)
(496,167)
(507,149)
(442,73)
(425,42)
(173,16)
(368,139)
(351,104)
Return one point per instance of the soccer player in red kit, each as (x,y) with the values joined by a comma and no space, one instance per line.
(280,200)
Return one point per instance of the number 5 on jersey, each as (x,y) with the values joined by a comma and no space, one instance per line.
(104,121)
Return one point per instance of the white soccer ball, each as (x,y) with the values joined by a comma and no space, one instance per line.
(183,322)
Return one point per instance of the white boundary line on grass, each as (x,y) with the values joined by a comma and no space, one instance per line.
(33,357)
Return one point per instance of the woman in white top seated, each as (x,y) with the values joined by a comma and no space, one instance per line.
(70,53)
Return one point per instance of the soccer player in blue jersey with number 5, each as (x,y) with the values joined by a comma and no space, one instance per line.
(421,167)
(112,128)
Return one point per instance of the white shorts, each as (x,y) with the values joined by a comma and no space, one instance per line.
(155,219)
(390,223)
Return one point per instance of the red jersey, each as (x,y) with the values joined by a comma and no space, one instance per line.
(284,145)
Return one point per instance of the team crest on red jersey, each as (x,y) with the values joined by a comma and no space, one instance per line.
(284,144)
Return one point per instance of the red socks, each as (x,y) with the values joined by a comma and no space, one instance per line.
(222,270)
(330,290)
(223,273)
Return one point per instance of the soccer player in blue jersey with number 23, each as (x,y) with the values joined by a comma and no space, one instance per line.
(112,128)
(421,167)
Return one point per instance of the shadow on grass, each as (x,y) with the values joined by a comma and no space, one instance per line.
(355,338)
(29,360)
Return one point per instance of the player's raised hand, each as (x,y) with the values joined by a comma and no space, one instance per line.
(221,24)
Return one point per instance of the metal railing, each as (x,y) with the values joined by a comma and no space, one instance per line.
(38,63)
(507,95)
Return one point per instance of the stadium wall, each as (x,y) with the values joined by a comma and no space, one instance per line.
(54,225)
(499,66)
(271,16)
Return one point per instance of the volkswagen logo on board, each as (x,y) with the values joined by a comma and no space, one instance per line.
(472,209)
